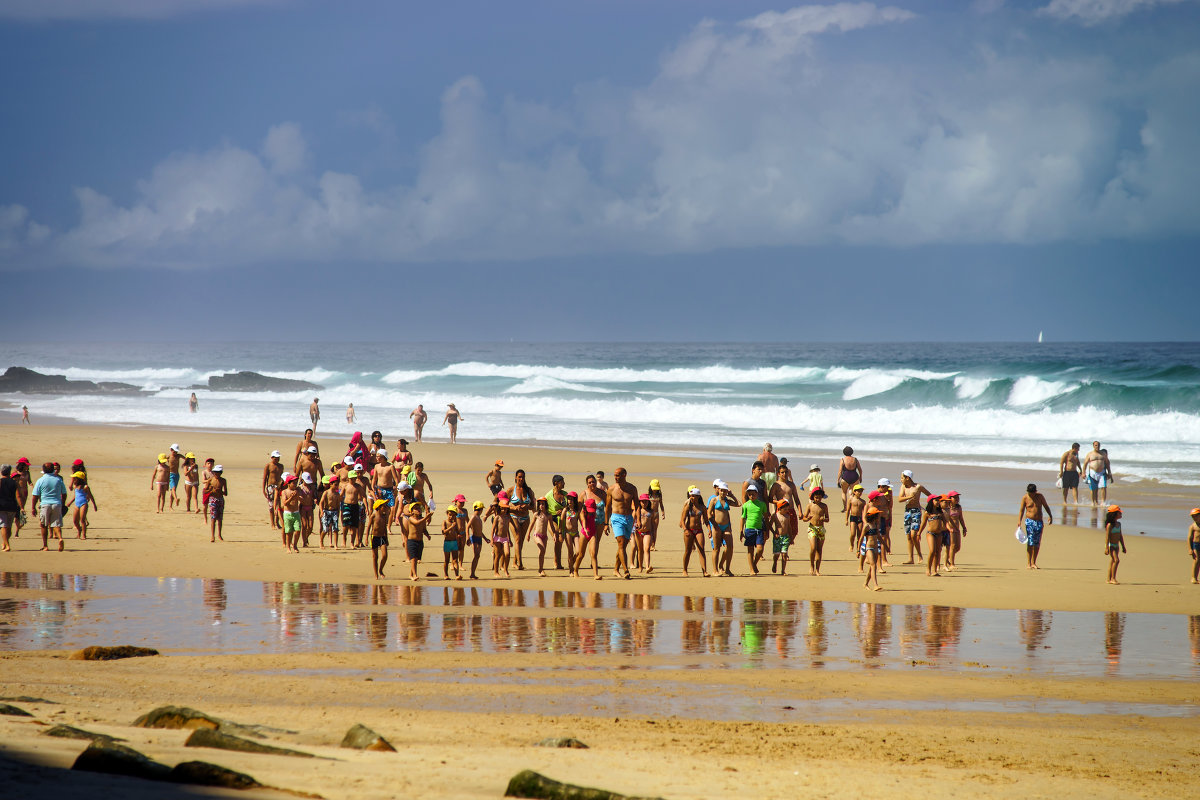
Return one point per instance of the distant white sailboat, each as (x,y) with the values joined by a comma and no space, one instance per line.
(1039,337)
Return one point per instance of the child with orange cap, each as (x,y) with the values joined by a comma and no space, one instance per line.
(1112,527)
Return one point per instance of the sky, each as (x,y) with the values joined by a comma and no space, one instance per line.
(600,169)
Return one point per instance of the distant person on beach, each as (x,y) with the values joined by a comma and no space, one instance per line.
(854,516)
(768,458)
(910,499)
(849,473)
(314,412)
(1194,544)
(933,523)
(452,418)
(1030,516)
(271,479)
(419,418)
(351,417)
(25,415)
(1068,472)
(217,489)
(956,527)
(193,403)
(872,546)
(1112,529)
(174,460)
(159,480)
(49,494)
(1097,470)
(10,505)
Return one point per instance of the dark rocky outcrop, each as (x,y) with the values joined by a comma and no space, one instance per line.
(207,737)
(530,784)
(13,711)
(111,758)
(19,380)
(97,653)
(181,717)
(561,741)
(360,737)
(68,732)
(254,382)
(202,773)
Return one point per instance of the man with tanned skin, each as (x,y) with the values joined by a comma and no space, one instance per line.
(386,479)
(769,460)
(308,461)
(353,495)
(621,498)
(174,458)
(1069,470)
(305,443)
(1030,516)
(272,477)
(314,412)
(910,499)
(419,418)
(1096,470)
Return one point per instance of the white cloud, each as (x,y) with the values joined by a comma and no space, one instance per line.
(121,9)
(748,135)
(1093,12)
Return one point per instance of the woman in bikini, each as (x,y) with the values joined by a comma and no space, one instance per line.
(850,472)
(645,522)
(693,520)
(589,538)
(403,456)
(520,502)
(722,527)
(956,527)
(375,445)
(934,523)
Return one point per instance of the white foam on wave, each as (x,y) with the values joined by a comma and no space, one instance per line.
(545,383)
(866,382)
(967,388)
(716,373)
(315,375)
(149,378)
(1029,390)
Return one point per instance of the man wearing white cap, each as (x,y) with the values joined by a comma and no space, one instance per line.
(910,499)
(272,477)
(217,489)
(309,461)
(174,457)
(303,445)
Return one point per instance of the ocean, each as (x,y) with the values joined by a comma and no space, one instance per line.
(998,405)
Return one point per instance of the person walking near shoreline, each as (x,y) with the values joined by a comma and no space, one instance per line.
(49,494)
(1068,472)
(158,482)
(1096,470)
(272,477)
(452,418)
(1030,516)
(419,418)
(910,499)
(25,415)
(314,412)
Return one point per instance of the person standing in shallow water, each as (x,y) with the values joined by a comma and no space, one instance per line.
(452,418)
(419,418)
(314,412)
(1030,516)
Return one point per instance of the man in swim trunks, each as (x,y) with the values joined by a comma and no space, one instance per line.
(310,462)
(1096,470)
(910,499)
(621,498)
(49,494)
(314,412)
(419,418)
(1068,472)
(331,507)
(305,443)
(754,525)
(1030,516)
(272,477)
(379,539)
(769,460)
(174,458)
(386,480)
(353,495)
(1194,544)
(494,480)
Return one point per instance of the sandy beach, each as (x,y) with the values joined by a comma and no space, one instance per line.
(466,724)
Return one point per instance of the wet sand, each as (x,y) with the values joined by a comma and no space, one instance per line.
(464,720)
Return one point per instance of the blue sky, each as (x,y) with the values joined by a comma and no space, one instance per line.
(675,169)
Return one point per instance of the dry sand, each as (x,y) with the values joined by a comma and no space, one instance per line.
(463,736)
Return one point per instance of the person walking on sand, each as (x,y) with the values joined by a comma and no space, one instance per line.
(1112,528)
(872,546)
(158,482)
(910,499)
(854,516)
(1068,472)
(314,412)
(303,447)
(49,494)
(174,459)
(25,415)
(379,536)
(494,480)
(271,479)
(816,515)
(419,418)
(693,519)
(1030,516)
(621,499)
(754,524)
(217,489)
(1194,544)
(1096,470)
(11,500)
(476,538)
(769,460)
(83,497)
(721,521)
(289,504)
(415,532)
(935,523)
(850,472)
(452,418)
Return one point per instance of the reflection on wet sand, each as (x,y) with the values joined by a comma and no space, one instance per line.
(214,615)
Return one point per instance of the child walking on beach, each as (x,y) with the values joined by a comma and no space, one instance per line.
(450,544)
(872,543)
(331,507)
(1112,527)
(540,530)
(83,496)
(1194,544)
(475,535)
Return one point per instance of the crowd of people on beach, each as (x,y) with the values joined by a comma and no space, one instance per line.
(369,493)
